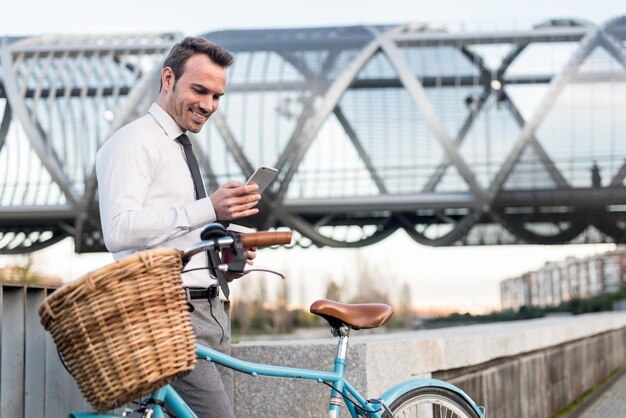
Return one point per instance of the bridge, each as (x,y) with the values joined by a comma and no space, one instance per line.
(462,138)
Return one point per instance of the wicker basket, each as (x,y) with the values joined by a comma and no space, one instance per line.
(123,330)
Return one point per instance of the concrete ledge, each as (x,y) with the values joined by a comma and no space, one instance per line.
(377,362)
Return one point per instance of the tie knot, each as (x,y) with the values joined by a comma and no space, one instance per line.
(184,140)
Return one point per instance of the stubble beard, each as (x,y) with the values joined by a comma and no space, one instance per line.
(180,114)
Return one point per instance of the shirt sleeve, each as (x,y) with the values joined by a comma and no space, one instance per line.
(125,168)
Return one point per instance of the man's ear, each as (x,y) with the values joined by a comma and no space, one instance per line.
(167,78)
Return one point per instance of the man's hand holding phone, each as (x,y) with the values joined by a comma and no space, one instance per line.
(235,200)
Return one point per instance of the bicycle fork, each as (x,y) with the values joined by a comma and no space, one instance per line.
(336,398)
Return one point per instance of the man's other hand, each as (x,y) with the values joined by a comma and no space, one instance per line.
(235,200)
(251,252)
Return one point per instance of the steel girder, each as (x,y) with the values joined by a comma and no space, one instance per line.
(63,96)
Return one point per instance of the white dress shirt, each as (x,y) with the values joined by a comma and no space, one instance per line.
(147,196)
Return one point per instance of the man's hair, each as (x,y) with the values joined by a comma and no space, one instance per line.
(189,46)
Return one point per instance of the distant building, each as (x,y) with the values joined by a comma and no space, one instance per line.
(558,282)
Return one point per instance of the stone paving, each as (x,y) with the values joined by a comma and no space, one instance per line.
(611,404)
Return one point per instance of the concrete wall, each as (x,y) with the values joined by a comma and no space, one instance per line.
(540,384)
(516,369)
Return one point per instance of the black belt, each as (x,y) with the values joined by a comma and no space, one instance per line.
(207,293)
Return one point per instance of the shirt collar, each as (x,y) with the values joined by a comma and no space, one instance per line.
(167,123)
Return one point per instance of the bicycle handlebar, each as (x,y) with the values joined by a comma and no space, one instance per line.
(266,238)
(254,239)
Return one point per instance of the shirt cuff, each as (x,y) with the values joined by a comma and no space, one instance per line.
(200,212)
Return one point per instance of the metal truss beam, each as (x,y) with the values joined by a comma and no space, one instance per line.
(5,124)
(416,92)
(555,88)
(549,198)
(36,136)
(427,82)
(296,152)
(569,34)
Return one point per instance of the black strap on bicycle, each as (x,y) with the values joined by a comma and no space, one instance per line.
(63,361)
(144,406)
(156,402)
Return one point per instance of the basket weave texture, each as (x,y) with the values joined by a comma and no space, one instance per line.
(123,330)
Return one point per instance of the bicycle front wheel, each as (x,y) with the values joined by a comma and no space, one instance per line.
(431,402)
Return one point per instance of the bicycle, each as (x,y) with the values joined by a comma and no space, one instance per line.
(417,398)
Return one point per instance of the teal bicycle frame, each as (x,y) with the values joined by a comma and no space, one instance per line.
(341,388)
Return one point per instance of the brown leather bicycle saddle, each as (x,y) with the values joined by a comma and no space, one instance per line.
(357,316)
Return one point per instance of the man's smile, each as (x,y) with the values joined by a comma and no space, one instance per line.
(199,117)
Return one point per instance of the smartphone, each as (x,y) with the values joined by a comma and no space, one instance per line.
(262,177)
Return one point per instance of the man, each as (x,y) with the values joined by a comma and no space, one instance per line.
(596,179)
(150,198)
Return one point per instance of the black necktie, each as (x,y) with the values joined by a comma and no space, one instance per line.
(194,169)
(192,163)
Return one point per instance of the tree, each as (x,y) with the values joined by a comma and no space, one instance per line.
(405,313)
(371,284)
(243,309)
(281,317)
(333,290)
(21,273)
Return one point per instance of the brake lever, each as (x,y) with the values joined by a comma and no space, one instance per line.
(237,264)
(240,255)
(265,270)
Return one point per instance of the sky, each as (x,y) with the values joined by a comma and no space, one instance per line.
(123,16)
(463,278)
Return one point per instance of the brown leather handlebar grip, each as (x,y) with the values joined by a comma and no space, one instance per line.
(266,238)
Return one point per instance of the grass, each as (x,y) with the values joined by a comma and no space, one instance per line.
(577,402)
(569,409)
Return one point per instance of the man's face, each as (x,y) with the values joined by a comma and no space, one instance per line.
(193,98)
